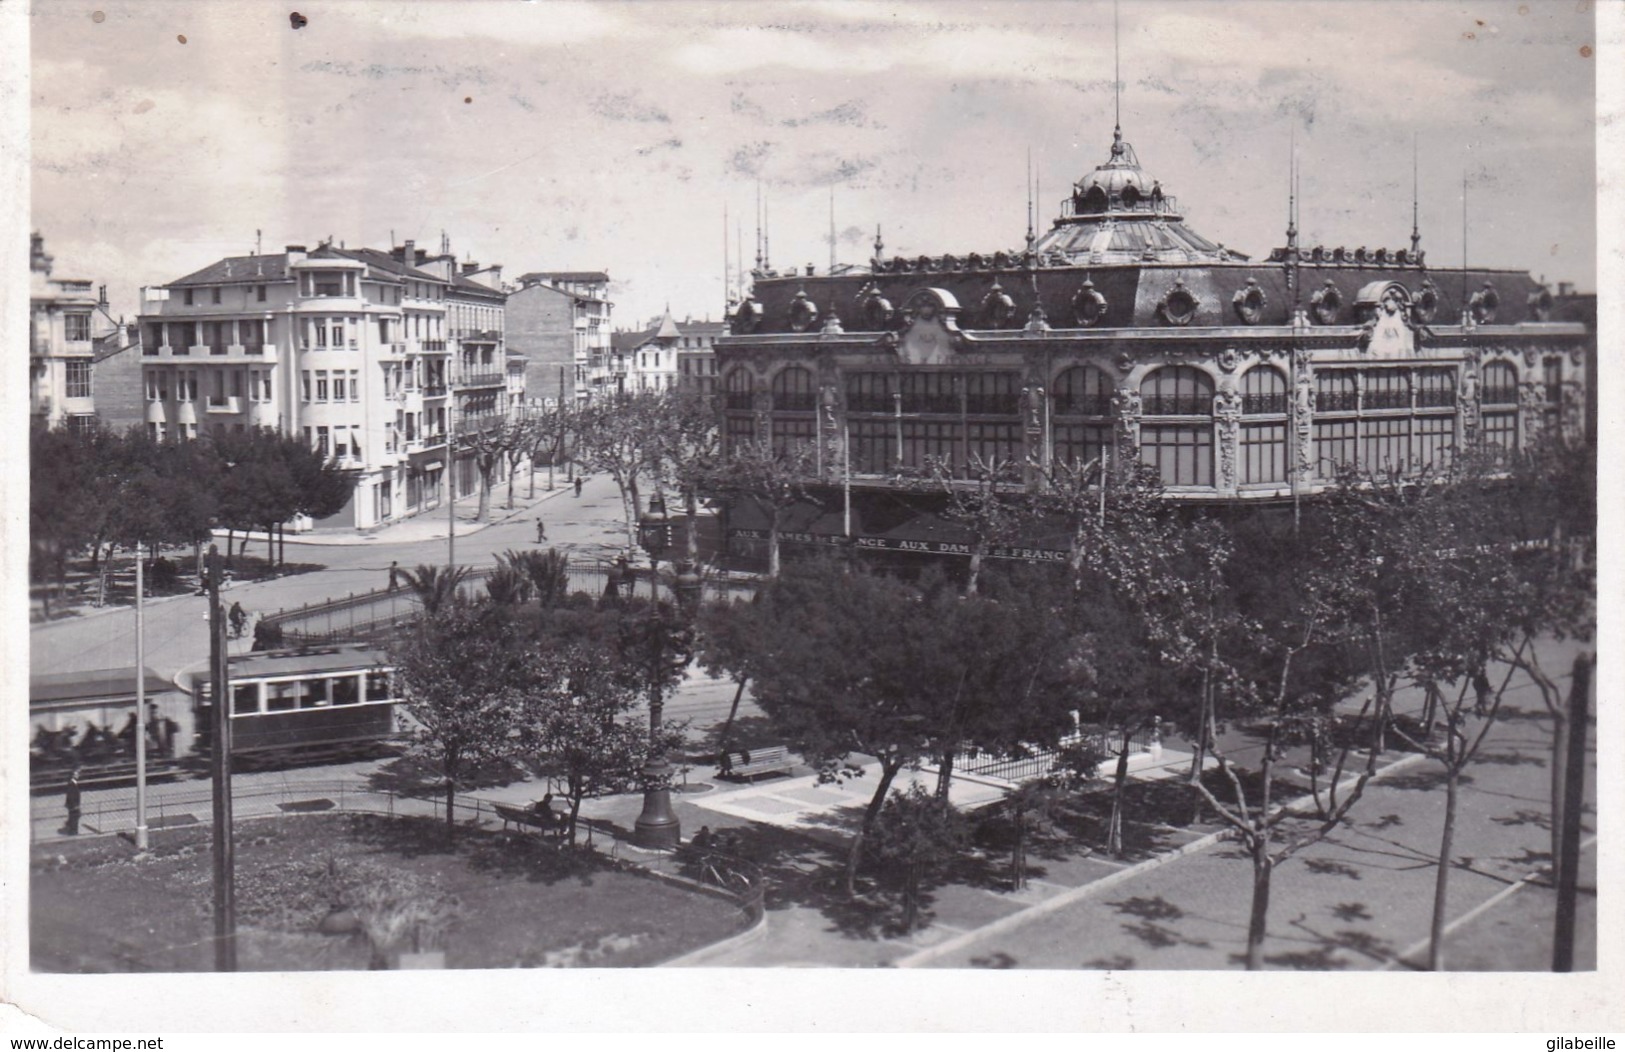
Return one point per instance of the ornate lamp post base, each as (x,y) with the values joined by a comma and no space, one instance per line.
(657,827)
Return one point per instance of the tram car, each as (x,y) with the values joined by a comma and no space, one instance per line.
(303,706)
(88,721)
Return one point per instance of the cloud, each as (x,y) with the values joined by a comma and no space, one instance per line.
(626,106)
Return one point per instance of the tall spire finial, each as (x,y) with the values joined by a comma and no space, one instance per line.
(832,227)
(1416,226)
(880,246)
(758,224)
(767,255)
(1117,83)
(727,269)
(1029,199)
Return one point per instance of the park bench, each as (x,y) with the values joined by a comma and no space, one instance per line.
(548,822)
(748,763)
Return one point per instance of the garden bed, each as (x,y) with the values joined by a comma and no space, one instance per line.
(496,901)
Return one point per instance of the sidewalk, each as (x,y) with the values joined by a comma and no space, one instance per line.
(430,525)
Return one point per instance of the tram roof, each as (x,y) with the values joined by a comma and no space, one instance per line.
(97,683)
(316,659)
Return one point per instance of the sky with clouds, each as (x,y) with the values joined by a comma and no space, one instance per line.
(611,135)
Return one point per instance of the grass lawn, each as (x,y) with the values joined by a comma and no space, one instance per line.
(508,901)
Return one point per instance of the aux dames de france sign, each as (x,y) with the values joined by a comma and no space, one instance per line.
(896,544)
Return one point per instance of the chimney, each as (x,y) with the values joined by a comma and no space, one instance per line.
(101,296)
(469,268)
(296,253)
(809,270)
(408,251)
(1565,288)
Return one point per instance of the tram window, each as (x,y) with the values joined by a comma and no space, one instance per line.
(346,690)
(378,686)
(313,694)
(281,697)
(245,699)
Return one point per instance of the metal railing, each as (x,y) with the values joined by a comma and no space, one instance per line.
(258,797)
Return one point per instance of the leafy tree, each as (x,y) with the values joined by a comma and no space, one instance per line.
(582,728)
(773,480)
(685,455)
(490,440)
(62,507)
(837,660)
(619,437)
(545,575)
(987,503)
(916,835)
(466,677)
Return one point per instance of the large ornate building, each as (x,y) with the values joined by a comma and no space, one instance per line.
(1122,332)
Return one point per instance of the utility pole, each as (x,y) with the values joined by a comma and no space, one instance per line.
(140,711)
(1568,862)
(451,488)
(225,904)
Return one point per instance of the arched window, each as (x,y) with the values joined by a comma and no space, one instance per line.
(1500,385)
(1182,453)
(1263,392)
(1083,391)
(1177,390)
(1498,397)
(1263,441)
(737,387)
(794,401)
(1081,428)
(793,391)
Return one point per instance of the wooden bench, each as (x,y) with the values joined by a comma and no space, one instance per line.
(748,763)
(550,822)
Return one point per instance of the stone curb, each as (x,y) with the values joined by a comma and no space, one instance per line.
(1067,898)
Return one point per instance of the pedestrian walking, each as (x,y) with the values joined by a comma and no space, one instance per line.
(74,798)
(239,620)
(541,531)
(394,576)
(578,485)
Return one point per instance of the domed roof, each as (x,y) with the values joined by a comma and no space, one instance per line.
(1118,213)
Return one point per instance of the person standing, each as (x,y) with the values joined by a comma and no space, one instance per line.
(394,576)
(238,617)
(74,799)
(541,531)
(578,486)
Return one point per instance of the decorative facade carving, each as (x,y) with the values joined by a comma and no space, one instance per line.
(1325,303)
(1178,305)
(1126,402)
(1303,417)
(803,313)
(1088,306)
(1467,400)
(998,309)
(1484,303)
(1227,427)
(1249,302)
(1228,359)
(747,319)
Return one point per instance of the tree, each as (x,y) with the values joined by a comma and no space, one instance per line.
(917,834)
(582,728)
(619,437)
(437,587)
(685,456)
(826,684)
(546,575)
(490,440)
(62,508)
(986,504)
(466,677)
(773,480)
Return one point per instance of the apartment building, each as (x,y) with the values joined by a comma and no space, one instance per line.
(66,318)
(561,320)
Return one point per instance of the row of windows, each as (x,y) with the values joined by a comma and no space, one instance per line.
(322,385)
(76,327)
(314,692)
(338,440)
(180,337)
(1181,453)
(220,383)
(1169,391)
(190,295)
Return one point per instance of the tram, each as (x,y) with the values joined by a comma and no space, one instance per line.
(88,721)
(302,706)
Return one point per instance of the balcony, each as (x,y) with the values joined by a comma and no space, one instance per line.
(485,379)
(432,346)
(218,404)
(434,390)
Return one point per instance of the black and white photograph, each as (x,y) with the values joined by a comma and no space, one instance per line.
(809,515)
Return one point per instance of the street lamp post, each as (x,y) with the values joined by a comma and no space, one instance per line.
(657,825)
(140,709)
(225,904)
